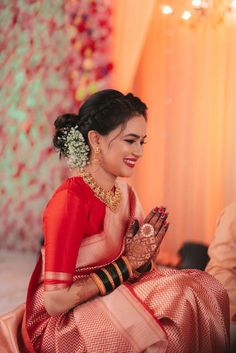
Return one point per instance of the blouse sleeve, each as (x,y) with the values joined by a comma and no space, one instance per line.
(64,222)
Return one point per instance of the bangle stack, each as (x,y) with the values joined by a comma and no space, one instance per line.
(112,276)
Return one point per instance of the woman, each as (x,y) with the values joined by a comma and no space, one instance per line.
(94,289)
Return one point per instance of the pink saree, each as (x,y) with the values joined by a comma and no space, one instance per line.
(163,311)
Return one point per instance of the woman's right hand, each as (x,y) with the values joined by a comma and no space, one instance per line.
(142,242)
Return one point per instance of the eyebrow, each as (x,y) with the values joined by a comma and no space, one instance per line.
(135,135)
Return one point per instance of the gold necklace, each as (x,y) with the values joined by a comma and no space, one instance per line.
(111,199)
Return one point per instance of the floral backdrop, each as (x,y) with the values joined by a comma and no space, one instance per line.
(52,55)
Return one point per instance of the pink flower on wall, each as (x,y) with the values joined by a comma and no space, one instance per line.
(52,55)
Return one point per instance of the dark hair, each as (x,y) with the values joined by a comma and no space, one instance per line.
(102,111)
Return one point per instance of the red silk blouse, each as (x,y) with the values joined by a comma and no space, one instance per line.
(72,214)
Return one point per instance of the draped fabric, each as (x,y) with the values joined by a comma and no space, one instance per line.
(151,314)
(128,21)
(222,252)
(187,77)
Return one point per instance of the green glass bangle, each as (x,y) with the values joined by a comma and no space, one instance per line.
(111,269)
(105,280)
(124,270)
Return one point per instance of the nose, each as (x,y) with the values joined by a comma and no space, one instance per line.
(138,150)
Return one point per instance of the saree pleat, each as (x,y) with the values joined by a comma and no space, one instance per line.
(194,313)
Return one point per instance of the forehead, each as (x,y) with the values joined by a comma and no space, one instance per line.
(137,124)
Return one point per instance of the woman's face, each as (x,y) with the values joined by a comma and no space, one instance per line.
(122,147)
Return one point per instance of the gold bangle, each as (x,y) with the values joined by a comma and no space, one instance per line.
(128,265)
(98,283)
(109,277)
(118,272)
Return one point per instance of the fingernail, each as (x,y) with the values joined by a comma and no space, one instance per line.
(156,209)
(163,214)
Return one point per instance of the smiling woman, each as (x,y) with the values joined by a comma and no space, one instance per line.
(95,288)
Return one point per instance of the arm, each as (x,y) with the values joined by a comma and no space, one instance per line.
(222,253)
(59,301)
(65,221)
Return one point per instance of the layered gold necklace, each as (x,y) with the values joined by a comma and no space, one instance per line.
(110,198)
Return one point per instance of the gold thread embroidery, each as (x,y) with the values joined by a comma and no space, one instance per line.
(49,275)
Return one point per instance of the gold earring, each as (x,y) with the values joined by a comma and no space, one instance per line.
(96,159)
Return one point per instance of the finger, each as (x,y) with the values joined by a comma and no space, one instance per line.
(135,226)
(151,215)
(156,218)
(160,222)
(161,234)
(164,219)
(155,213)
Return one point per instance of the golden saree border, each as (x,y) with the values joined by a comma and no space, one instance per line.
(57,280)
(60,276)
(139,326)
(129,326)
(56,286)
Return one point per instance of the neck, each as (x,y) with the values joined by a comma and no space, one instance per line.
(103,179)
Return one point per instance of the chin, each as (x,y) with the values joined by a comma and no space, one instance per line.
(126,174)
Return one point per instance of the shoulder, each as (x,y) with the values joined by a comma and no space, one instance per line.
(230,210)
(73,185)
(228,215)
(225,232)
(72,190)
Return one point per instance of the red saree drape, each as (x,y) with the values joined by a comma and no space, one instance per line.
(164,311)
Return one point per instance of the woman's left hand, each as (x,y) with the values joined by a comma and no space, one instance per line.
(143,242)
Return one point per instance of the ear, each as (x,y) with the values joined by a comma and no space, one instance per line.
(94,137)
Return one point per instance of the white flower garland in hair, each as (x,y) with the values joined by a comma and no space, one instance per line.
(75,148)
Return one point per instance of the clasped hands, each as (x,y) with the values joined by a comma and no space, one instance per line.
(143,241)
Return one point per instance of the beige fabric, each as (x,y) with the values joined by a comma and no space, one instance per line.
(10,326)
(222,252)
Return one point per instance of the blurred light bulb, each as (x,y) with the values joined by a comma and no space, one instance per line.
(167,10)
(186,15)
(233,4)
(197,3)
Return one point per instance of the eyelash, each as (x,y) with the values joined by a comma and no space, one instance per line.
(132,141)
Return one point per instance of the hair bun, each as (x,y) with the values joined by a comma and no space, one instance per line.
(62,124)
(65,121)
(129,96)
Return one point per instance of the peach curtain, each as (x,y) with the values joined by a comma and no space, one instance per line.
(187,76)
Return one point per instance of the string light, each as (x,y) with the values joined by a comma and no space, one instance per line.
(215,12)
(186,15)
(167,10)
(233,4)
(197,3)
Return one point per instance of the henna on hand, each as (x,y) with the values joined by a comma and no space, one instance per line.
(143,244)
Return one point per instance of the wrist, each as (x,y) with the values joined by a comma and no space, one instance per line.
(112,276)
(147,267)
